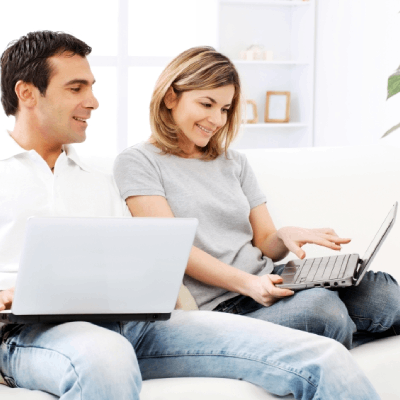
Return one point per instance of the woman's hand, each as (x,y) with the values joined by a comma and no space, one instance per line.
(6,298)
(263,290)
(294,238)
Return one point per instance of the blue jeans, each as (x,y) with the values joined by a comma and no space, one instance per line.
(80,360)
(353,315)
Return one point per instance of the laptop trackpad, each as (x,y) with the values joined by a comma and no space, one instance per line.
(289,270)
(287,279)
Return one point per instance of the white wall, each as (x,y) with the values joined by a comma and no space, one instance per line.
(356,50)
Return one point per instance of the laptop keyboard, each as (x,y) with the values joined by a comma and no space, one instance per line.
(322,268)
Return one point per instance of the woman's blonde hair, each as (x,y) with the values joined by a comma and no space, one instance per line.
(199,68)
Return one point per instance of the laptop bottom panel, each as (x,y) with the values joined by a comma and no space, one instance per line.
(55,319)
(324,272)
(308,285)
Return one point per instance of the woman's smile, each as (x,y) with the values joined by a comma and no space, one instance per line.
(205,131)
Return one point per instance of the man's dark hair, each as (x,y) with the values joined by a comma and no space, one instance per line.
(26,59)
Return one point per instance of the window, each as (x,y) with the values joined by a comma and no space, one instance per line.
(132,42)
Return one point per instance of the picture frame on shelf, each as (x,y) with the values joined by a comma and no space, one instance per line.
(277,107)
(250,115)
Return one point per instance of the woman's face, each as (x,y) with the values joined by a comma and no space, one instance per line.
(200,114)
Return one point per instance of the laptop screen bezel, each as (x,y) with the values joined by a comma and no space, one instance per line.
(366,262)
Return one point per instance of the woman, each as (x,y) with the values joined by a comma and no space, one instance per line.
(186,169)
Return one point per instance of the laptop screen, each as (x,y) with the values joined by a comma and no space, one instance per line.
(377,241)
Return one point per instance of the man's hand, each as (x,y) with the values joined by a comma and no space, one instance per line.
(6,299)
(294,238)
(264,291)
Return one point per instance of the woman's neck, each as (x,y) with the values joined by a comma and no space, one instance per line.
(187,151)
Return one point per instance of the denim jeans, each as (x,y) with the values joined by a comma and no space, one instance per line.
(353,315)
(80,360)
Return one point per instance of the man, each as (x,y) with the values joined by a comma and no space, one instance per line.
(46,83)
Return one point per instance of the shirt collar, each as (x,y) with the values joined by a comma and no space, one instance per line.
(10,148)
(73,155)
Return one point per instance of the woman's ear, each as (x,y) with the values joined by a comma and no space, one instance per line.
(170,98)
(26,94)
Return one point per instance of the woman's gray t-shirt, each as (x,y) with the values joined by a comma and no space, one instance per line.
(219,193)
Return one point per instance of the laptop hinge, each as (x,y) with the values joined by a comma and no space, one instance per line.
(357,270)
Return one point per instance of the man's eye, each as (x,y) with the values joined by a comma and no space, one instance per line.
(76,89)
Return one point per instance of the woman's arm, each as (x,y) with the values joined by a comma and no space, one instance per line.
(276,244)
(208,269)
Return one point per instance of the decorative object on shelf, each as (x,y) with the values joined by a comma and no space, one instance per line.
(256,53)
(277,107)
(250,112)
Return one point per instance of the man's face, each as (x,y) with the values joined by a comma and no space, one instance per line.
(63,112)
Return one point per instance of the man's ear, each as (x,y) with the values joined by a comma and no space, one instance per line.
(26,93)
(170,98)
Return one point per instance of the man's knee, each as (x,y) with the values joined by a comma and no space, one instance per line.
(107,350)
(103,362)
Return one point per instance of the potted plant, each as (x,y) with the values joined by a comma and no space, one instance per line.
(393,88)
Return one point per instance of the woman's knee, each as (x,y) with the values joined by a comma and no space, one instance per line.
(321,311)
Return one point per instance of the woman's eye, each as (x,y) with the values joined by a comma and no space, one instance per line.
(208,105)
(225,110)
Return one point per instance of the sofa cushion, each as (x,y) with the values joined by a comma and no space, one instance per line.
(171,389)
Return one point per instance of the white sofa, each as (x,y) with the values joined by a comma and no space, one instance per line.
(350,189)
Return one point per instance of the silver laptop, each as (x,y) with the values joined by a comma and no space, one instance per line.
(335,271)
(100,269)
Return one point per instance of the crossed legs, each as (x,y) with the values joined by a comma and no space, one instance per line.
(352,316)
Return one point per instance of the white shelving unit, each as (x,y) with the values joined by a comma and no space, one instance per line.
(286,27)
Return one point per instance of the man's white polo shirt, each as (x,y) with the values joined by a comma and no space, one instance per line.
(29,188)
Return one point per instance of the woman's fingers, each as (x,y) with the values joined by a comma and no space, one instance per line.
(275,278)
(274,291)
(294,238)
(330,234)
(337,239)
(295,248)
(324,239)
(327,243)
(266,293)
(330,241)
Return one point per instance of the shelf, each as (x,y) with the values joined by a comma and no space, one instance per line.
(268,2)
(277,62)
(287,28)
(276,125)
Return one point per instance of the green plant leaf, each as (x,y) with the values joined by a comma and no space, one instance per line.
(394,83)
(393,128)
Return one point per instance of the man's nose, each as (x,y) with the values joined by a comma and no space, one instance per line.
(91,102)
